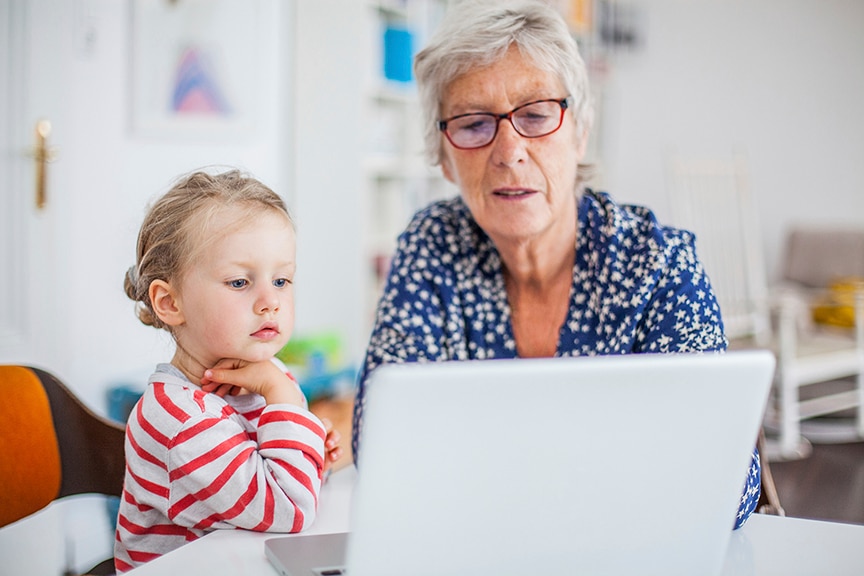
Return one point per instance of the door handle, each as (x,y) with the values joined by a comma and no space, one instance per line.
(43,154)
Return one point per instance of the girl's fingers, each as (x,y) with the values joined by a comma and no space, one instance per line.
(226,389)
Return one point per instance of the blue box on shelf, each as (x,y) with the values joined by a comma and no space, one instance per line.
(398,53)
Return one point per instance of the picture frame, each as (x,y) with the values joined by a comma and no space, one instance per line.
(193,68)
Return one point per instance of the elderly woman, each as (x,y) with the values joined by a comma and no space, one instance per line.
(526,261)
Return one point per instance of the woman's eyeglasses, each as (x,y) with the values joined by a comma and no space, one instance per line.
(531,120)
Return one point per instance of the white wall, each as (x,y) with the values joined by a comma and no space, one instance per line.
(329,70)
(781,81)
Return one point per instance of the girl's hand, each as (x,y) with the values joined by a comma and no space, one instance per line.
(332,450)
(231,376)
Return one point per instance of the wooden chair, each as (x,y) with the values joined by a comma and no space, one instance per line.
(769,499)
(52,446)
(712,199)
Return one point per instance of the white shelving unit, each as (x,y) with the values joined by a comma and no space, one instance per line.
(398,179)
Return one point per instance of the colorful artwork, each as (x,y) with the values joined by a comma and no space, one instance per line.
(196,86)
(191,72)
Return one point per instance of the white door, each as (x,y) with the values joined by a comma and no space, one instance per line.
(34,49)
(31,48)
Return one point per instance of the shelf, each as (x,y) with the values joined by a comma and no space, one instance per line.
(392,92)
(392,9)
(398,179)
(394,166)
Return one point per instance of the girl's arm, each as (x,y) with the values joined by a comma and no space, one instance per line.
(220,476)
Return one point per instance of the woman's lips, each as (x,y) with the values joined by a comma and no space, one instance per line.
(513,192)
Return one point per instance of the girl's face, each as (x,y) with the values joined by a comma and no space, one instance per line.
(237,297)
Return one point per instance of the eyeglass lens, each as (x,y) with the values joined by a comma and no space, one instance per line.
(531,120)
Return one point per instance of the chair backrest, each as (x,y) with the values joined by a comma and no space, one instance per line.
(816,256)
(711,198)
(52,445)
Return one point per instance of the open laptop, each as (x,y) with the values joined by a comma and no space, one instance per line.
(605,465)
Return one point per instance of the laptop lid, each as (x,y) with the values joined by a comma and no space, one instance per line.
(607,465)
(602,465)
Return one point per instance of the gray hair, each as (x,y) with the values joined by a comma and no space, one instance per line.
(475,34)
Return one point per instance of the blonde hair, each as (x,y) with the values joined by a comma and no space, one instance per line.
(172,234)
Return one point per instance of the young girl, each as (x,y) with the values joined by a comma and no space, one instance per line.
(222,437)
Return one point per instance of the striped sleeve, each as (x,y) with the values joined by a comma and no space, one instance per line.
(219,477)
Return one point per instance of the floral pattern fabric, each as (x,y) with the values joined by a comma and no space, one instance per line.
(638,287)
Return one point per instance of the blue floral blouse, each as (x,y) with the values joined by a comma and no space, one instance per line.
(637,287)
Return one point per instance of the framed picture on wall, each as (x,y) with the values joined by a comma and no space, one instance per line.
(194,68)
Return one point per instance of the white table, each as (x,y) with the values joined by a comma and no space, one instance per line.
(767,545)
(240,552)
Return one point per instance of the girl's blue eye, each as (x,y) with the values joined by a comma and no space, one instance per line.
(281,282)
(239,283)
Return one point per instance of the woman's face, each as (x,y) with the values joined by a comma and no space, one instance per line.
(518,189)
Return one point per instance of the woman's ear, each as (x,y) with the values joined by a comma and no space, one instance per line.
(165,303)
(581,142)
(447,169)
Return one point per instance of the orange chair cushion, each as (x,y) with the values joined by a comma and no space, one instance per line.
(30,470)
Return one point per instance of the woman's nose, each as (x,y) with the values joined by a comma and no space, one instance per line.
(508,147)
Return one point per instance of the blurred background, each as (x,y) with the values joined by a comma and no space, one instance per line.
(316,99)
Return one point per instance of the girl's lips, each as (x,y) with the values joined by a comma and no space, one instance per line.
(266,332)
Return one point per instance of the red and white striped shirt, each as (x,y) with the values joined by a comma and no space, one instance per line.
(196,462)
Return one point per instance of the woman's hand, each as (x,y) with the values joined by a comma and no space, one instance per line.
(231,376)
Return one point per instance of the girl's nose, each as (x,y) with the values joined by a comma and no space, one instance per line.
(268,301)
